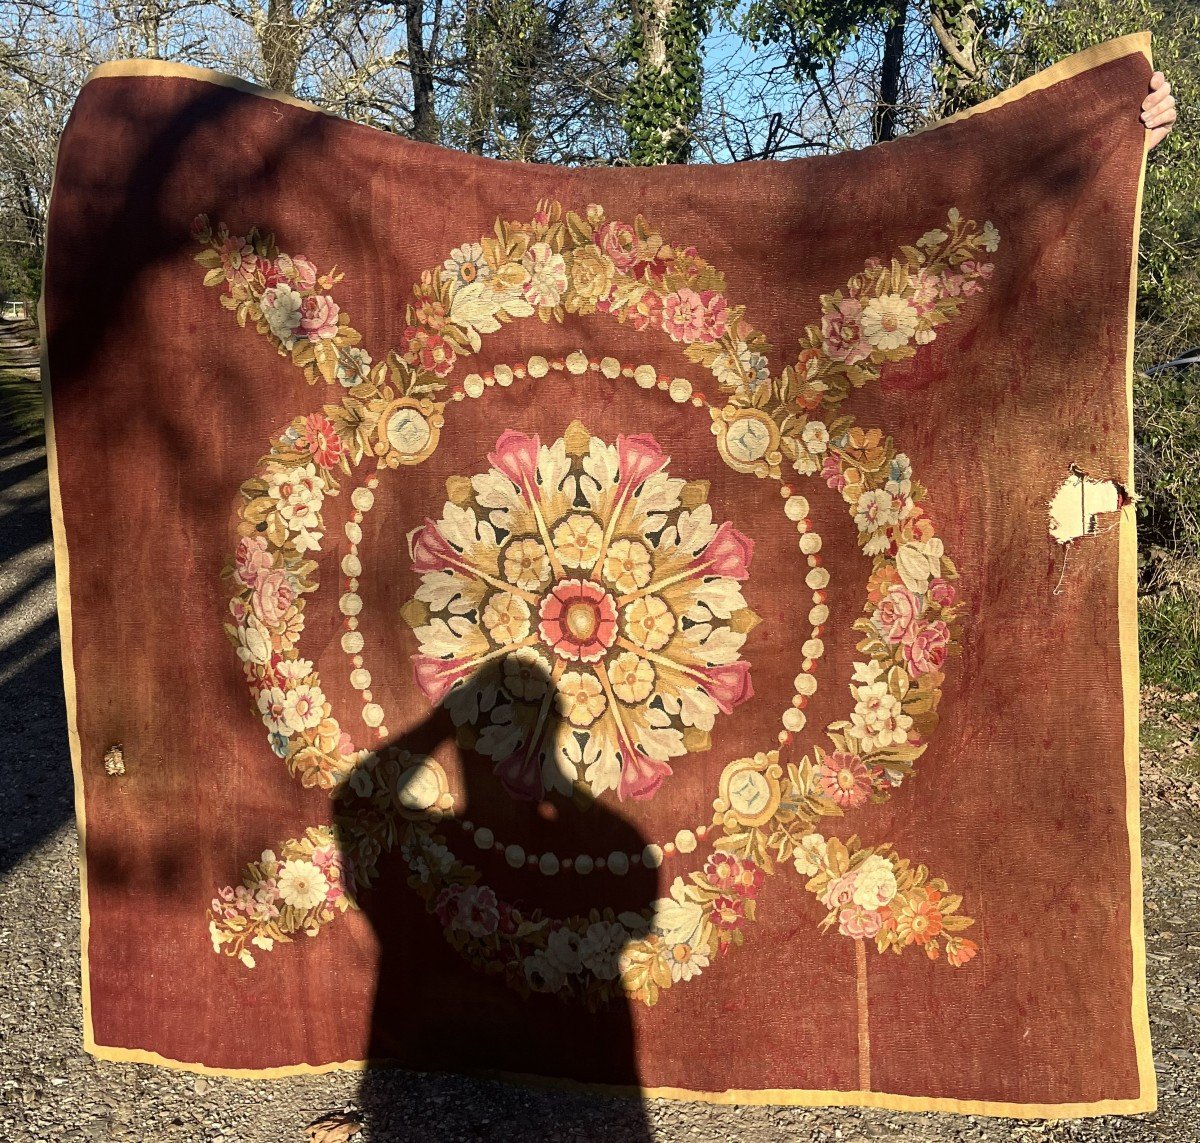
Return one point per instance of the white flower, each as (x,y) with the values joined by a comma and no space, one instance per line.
(600,950)
(876,882)
(526,674)
(878,719)
(810,854)
(506,617)
(301,884)
(816,437)
(294,670)
(918,562)
(542,974)
(272,705)
(563,951)
(254,642)
(466,264)
(990,238)
(547,275)
(281,311)
(888,322)
(686,962)
(867,672)
(299,494)
(875,510)
(361,782)
(303,707)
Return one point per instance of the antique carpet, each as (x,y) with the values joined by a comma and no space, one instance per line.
(666,629)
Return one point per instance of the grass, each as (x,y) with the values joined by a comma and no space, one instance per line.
(20,383)
(1169,634)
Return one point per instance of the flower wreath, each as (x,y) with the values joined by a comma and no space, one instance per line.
(765,812)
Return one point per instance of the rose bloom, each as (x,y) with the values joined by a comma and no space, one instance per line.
(716,316)
(683,315)
(273,595)
(925,650)
(251,559)
(297,268)
(855,921)
(319,317)
(942,592)
(842,333)
(646,312)
(897,614)
(619,242)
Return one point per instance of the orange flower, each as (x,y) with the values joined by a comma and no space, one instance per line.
(918,919)
(881,581)
(959,950)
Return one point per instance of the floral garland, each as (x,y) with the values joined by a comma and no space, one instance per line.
(560,264)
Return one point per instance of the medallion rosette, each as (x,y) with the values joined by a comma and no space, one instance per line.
(580,614)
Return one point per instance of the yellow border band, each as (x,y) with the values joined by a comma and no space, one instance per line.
(1127,626)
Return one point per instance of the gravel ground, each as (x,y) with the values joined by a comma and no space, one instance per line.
(50,1090)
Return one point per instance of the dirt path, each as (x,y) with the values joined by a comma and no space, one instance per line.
(50,1090)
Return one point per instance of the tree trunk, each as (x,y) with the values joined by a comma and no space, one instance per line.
(425,124)
(279,46)
(883,121)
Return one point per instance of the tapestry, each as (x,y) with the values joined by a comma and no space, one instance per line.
(670,630)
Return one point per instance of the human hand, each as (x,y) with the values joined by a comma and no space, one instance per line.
(1158,109)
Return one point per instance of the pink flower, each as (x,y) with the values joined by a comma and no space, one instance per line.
(844,779)
(619,242)
(897,614)
(251,559)
(646,312)
(238,260)
(925,650)
(728,554)
(578,620)
(319,317)
(516,455)
(831,473)
(478,911)
(941,592)
(716,316)
(683,315)
(839,892)
(201,228)
(430,351)
(639,457)
(728,686)
(641,776)
(724,871)
(446,905)
(273,596)
(436,677)
(842,333)
(728,912)
(320,440)
(855,921)
(297,269)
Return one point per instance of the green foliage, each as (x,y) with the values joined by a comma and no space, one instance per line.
(813,33)
(1169,634)
(663,99)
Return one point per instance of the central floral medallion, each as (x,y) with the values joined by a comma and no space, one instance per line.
(580,613)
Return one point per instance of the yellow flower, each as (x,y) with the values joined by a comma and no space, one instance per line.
(650,622)
(506,618)
(577,541)
(632,678)
(580,698)
(627,565)
(526,564)
(591,272)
